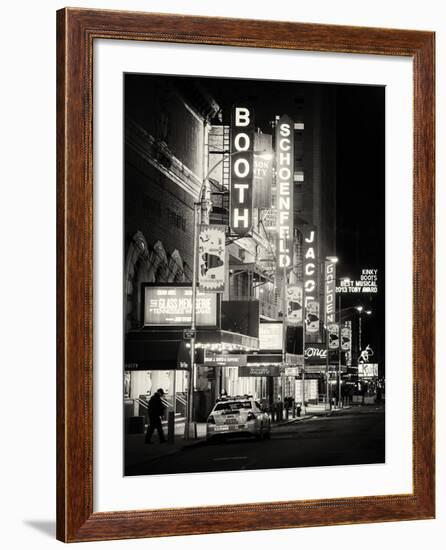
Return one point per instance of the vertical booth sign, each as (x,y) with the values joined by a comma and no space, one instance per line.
(242,169)
(284,184)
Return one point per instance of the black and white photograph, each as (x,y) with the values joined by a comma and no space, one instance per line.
(222,275)
(254,274)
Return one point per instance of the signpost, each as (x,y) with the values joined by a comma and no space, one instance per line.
(188,334)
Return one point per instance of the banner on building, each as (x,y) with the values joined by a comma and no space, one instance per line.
(330,292)
(333,335)
(346,337)
(242,169)
(310,277)
(211,258)
(312,318)
(271,336)
(294,295)
(348,353)
(284,189)
(263,169)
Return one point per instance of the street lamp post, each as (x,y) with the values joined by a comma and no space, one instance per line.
(333,260)
(284,328)
(339,356)
(359,308)
(190,389)
(189,424)
(340,345)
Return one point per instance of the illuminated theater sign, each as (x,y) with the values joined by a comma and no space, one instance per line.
(172,306)
(315,354)
(330,290)
(242,162)
(311,292)
(284,182)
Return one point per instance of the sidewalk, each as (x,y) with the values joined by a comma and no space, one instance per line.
(137,451)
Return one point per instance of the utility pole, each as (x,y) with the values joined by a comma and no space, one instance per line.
(327,370)
(360,334)
(339,356)
(189,426)
(304,315)
(284,325)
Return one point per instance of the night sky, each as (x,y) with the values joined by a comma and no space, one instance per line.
(360,112)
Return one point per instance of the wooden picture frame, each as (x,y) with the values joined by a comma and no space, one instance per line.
(77,29)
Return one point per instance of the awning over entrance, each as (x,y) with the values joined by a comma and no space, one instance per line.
(143,354)
(167,350)
(229,338)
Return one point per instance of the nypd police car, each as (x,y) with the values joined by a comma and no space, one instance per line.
(238,416)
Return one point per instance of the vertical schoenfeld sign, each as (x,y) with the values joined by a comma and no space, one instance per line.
(242,161)
(284,194)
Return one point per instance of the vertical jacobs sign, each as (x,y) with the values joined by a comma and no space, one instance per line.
(284,184)
(242,164)
(311,291)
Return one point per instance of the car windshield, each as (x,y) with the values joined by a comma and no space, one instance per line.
(233,405)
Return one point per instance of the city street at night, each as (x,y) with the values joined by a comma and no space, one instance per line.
(351,436)
(254,281)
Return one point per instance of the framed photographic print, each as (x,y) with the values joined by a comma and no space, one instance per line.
(245,275)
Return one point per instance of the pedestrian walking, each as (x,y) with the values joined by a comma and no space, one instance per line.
(156,411)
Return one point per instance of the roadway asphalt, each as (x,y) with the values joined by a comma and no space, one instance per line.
(354,436)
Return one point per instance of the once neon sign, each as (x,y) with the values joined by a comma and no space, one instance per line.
(315,352)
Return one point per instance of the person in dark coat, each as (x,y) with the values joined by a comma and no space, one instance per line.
(156,411)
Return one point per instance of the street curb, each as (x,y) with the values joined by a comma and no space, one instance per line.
(295,420)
